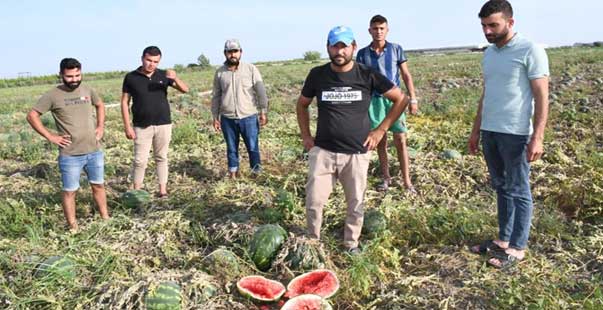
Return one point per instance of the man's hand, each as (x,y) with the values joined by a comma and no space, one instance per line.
(473,143)
(217,125)
(61,141)
(130,133)
(413,108)
(308,142)
(373,139)
(263,119)
(99,132)
(170,74)
(535,149)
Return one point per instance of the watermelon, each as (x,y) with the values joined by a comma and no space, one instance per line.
(307,302)
(260,289)
(222,263)
(135,198)
(265,244)
(374,223)
(321,282)
(165,296)
(451,154)
(56,265)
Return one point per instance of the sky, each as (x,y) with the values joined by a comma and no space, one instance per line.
(111,34)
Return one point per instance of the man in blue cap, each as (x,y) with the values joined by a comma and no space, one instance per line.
(339,151)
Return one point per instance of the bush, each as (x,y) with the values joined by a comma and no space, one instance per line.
(311,55)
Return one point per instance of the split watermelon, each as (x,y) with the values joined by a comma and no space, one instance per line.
(260,289)
(307,302)
(321,282)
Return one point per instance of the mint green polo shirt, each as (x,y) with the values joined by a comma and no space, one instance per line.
(508,100)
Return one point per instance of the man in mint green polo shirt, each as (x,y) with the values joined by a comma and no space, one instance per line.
(388,58)
(516,77)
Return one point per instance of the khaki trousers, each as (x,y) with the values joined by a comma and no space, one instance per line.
(159,138)
(325,169)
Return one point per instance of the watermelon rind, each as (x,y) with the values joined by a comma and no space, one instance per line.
(265,244)
(165,296)
(307,302)
(323,283)
(266,290)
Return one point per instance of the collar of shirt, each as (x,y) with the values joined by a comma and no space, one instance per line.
(509,44)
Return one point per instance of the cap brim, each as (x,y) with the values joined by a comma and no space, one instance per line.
(347,42)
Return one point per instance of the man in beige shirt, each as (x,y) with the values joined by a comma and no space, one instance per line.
(238,97)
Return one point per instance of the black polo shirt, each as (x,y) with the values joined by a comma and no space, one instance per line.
(149,97)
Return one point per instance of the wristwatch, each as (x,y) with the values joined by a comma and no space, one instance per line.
(414,101)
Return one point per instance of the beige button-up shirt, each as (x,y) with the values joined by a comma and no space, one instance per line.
(238,94)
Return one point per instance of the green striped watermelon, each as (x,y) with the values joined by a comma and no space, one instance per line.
(135,198)
(265,244)
(164,296)
(56,265)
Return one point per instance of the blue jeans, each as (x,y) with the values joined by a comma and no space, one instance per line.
(71,168)
(248,128)
(510,174)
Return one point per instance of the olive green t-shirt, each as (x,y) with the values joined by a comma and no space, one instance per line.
(74,115)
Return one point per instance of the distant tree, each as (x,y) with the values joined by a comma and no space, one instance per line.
(203,62)
(179,67)
(311,55)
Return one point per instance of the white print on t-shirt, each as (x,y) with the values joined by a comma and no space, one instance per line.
(342,94)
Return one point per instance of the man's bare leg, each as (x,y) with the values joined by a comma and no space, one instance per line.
(100,197)
(68,199)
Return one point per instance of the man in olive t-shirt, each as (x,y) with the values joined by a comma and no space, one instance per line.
(72,105)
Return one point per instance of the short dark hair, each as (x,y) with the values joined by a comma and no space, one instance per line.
(69,63)
(496,6)
(151,51)
(379,19)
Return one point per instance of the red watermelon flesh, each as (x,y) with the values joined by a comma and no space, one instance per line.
(260,288)
(322,282)
(307,302)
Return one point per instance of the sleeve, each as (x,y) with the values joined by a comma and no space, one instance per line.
(94,96)
(309,89)
(360,56)
(401,55)
(125,86)
(44,104)
(216,97)
(260,90)
(380,83)
(537,63)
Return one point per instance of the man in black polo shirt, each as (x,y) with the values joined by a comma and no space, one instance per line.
(343,91)
(147,86)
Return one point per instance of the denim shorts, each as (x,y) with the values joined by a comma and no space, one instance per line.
(71,168)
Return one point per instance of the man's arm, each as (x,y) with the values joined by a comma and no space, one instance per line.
(262,97)
(100,119)
(473,143)
(178,83)
(303,120)
(540,89)
(410,86)
(125,115)
(399,104)
(33,118)
(216,99)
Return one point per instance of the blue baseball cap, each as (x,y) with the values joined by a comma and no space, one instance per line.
(341,34)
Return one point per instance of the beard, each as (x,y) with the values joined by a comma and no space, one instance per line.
(340,61)
(496,38)
(72,85)
(232,61)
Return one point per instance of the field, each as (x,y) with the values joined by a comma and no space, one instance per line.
(420,262)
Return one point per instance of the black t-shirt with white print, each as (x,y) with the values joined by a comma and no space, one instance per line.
(343,99)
